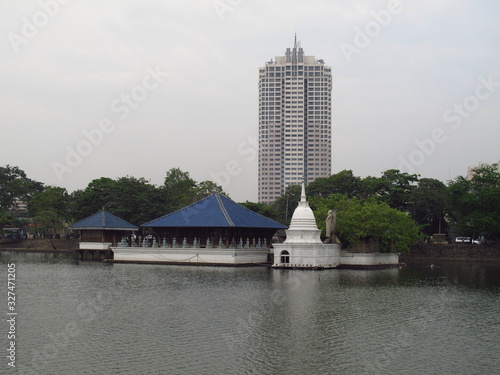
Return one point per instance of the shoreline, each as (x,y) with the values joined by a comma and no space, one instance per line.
(26,250)
(40,244)
(406,259)
(420,252)
(453,253)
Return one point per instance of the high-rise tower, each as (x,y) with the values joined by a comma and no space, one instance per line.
(295,120)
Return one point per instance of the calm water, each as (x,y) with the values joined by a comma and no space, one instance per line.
(93,318)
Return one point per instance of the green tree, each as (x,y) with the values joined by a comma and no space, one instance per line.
(367,219)
(394,230)
(369,187)
(99,194)
(427,205)
(138,201)
(49,209)
(263,209)
(49,222)
(9,219)
(14,185)
(475,204)
(206,188)
(395,188)
(287,203)
(132,199)
(53,198)
(180,188)
(343,182)
(321,205)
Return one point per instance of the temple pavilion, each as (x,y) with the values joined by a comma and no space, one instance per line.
(99,232)
(214,230)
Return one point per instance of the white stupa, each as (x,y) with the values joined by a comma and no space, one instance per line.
(303,247)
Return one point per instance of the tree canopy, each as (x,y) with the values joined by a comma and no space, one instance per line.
(182,190)
(361,219)
(135,200)
(427,205)
(15,185)
(380,208)
(286,204)
(475,204)
(138,201)
(50,209)
(343,182)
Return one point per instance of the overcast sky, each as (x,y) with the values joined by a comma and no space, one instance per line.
(93,89)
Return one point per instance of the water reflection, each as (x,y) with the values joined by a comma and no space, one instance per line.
(160,319)
(468,274)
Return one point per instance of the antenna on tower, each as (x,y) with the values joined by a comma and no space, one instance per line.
(296,43)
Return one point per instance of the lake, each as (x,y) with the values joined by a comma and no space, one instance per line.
(97,318)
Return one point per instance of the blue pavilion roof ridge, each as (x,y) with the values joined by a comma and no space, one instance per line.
(103,220)
(176,212)
(224,211)
(255,213)
(215,210)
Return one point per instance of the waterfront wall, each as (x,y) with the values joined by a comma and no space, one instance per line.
(190,255)
(39,244)
(368,260)
(455,252)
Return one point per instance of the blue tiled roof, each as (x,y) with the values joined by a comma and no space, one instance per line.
(103,220)
(215,211)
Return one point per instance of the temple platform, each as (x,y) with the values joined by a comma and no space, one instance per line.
(190,255)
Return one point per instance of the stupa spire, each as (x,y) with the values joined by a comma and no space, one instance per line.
(303,197)
(303,217)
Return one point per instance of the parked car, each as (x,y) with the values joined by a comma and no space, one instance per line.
(478,241)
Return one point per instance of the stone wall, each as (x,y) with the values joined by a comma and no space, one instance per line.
(458,252)
(367,245)
(39,244)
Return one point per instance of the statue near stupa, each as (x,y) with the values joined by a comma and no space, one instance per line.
(331,220)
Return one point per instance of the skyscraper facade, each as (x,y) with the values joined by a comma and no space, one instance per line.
(295,120)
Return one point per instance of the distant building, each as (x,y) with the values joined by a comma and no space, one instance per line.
(19,209)
(295,120)
(20,206)
(471,170)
